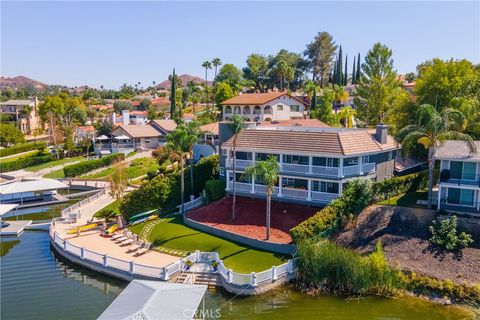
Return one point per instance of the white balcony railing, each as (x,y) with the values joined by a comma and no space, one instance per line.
(326,171)
(261,189)
(294,193)
(323,196)
(242,163)
(240,186)
(297,168)
(351,170)
(368,167)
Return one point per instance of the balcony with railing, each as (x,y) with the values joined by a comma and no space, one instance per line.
(459,179)
(294,193)
(295,168)
(323,196)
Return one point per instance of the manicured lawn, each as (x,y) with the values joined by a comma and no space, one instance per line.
(53,163)
(18,156)
(172,234)
(137,168)
(407,200)
(57,174)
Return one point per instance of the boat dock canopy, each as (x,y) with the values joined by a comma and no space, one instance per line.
(31,186)
(6,208)
(155,300)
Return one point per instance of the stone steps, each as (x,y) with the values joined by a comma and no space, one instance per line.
(211,280)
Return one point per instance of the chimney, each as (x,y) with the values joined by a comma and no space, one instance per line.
(381,132)
(125,117)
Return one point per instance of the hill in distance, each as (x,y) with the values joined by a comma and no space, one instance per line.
(184,78)
(20,82)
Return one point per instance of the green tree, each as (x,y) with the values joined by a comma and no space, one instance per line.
(25,114)
(231,75)
(357,77)
(323,111)
(268,172)
(224,92)
(237,126)
(173,98)
(320,53)
(432,129)
(348,114)
(378,86)
(118,182)
(9,134)
(120,105)
(284,73)
(144,104)
(257,71)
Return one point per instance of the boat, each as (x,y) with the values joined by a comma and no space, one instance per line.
(111,230)
(82,228)
(142,215)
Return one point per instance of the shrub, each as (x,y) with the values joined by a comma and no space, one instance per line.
(214,189)
(24,162)
(445,234)
(18,148)
(323,220)
(331,268)
(163,191)
(80,168)
(399,185)
(152,174)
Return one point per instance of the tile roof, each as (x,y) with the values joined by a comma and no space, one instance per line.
(210,128)
(312,141)
(139,131)
(310,123)
(256,98)
(167,124)
(86,128)
(99,107)
(138,113)
(454,149)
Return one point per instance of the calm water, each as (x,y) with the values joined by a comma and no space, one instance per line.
(36,285)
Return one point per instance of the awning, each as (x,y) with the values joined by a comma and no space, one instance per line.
(122,137)
(6,208)
(31,186)
(155,300)
(102,137)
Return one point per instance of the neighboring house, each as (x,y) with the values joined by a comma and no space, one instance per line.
(208,142)
(315,163)
(268,106)
(15,112)
(84,132)
(459,187)
(131,117)
(164,127)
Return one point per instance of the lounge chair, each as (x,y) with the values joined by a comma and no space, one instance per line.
(143,250)
(126,242)
(134,247)
(117,236)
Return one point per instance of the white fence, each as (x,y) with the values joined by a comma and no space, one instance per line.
(82,203)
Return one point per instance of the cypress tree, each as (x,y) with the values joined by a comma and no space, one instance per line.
(339,67)
(334,77)
(345,76)
(358,68)
(354,74)
(313,103)
(172,96)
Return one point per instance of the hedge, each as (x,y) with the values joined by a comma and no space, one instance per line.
(80,168)
(163,191)
(24,147)
(358,194)
(22,163)
(214,189)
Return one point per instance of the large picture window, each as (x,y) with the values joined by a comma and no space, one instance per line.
(295,159)
(295,183)
(325,186)
(325,162)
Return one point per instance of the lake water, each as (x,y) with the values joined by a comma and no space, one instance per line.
(37,285)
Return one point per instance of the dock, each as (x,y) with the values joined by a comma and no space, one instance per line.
(14,228)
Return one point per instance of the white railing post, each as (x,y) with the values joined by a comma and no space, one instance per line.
(274,273)
(280,186)
(132,267)
(197,256)
(309,190)
(310,163)
(253,279)
(105,260)
(64,245)
(165,274)
(230,276)
(82,253)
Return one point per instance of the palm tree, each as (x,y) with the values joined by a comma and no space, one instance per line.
(178,143)
(268,172)
(237,127)
(194,133)
(216,62)
(432,129)
(207,65)
(347,113)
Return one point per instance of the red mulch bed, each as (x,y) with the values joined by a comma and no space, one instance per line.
(250,217)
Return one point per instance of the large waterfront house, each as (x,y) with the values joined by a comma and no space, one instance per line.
(269,106)
(23,113)
(459,186)
(315,163)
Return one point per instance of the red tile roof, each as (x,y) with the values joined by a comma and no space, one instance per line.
(257,98)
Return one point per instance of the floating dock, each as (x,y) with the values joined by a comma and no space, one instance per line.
(14,228)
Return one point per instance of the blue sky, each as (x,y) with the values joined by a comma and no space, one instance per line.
(109,43)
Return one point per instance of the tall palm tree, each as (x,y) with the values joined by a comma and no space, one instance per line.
(178,143)
(268,171)
(431,130)
(216,62)
(193,129)
(236,126)
(207,65)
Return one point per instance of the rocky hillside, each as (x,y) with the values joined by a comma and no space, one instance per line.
(20,82)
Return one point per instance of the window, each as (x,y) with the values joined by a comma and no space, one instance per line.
(137,140)
(365,159)
(280,107)
(228,109)
(267,110)
(257,110)
(325,186)
(237,110)
(241,155)
(347,162)
(294,108)
(390,155)
(325,162)
(295,183)
(264,156)
(295,159)
(463,170)
(460,196)
(240,177)
(222,171)
(247,110)
(224,152)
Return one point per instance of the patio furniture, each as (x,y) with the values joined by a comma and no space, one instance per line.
(145,249)
(134,247)
(127,242)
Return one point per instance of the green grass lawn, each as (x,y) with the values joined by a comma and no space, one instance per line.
(18,156)
(407,199)
(137,168)
(172,234)
(57,174)
(53,163)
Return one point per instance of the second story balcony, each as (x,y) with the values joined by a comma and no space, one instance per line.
(460,178)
